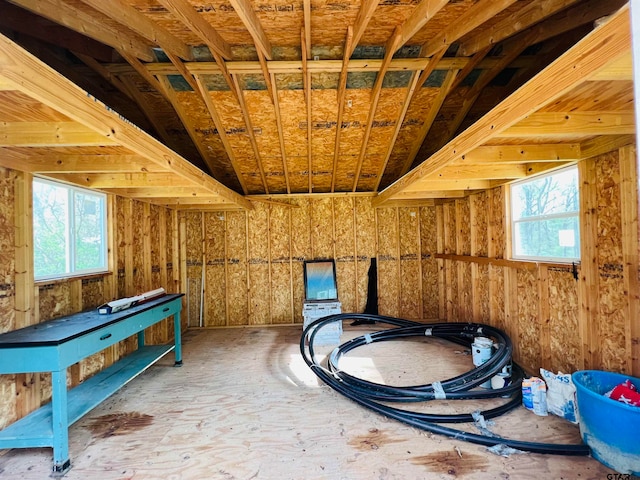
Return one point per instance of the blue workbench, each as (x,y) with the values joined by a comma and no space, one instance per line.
(54,345)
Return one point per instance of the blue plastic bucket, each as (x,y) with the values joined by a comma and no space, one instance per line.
(610,428)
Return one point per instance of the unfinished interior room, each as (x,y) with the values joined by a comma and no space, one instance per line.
(249,239)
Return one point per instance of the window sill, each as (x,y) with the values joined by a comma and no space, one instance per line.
(55,281)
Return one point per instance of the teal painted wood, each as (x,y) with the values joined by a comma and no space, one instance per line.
(48,426)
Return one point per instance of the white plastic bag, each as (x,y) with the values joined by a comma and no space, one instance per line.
(561,395)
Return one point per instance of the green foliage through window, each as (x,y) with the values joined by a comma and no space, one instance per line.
(545,214)
(69,230)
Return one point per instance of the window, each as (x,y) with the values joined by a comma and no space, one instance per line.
(545,215)
(69,230)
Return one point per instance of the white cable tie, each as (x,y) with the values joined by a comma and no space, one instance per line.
(428,332)
(367,338)
(438,391)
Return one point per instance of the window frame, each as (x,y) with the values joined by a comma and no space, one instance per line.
(72,272)
(513,222)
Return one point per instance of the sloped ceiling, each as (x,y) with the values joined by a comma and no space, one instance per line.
(275,98)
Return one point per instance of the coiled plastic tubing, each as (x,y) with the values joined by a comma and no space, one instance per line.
(371,394)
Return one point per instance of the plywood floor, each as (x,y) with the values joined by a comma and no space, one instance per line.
(245,406)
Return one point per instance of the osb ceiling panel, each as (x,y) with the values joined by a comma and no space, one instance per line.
(224,83)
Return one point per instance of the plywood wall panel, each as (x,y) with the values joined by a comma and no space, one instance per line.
(237,266)
(139,273)
(280,257)
(300,250)
(366,247)
(496,223)
(345,242)
(528,322)
(483,297)
(410,263)
(215,275)
(388,261)
(479,224)
(93,293)
(322,236)
(259,276)
(565,340)
(428,248)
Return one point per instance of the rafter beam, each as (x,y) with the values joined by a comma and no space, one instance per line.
(79,21)
(561,124)
(251,135)
(213,112)
(603,45)
(472,18)
(50,134)
(283,151)
(306,36)
(306,80)
(185,12)
(342,90)
(22,21)
(435,107)
(365,13)
(128,16)
(391,47)
(535,12)
(424,12)
(39,81)
(244,9)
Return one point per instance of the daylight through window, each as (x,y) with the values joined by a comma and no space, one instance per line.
(69,230)
(545,214)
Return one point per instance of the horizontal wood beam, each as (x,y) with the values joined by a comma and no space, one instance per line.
(431,194)
(430,184)
(552,124)
(604,44)
(59,163)
(316,66)
(160,192)
(480,172)
(50,134)
(495,154)
(124,180)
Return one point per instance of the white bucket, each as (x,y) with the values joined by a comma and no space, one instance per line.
(481,350)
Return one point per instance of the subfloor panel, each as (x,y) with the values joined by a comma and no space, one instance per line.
(245,406)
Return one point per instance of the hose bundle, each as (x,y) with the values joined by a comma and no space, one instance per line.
(371,394)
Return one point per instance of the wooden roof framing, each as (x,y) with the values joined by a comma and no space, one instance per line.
(353,96)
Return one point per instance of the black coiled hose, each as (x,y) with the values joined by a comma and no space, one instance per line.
(370,394)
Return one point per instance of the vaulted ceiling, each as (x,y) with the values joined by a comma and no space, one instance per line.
(275,98)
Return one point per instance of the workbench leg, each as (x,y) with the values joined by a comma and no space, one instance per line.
(60,419)
(177,333)
(141,339)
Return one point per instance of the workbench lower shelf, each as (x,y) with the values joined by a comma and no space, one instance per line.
(36,429)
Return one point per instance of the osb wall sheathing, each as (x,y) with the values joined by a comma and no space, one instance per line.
(21,394)
(542,307)
(266,247)
(429,264)
(612,297)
